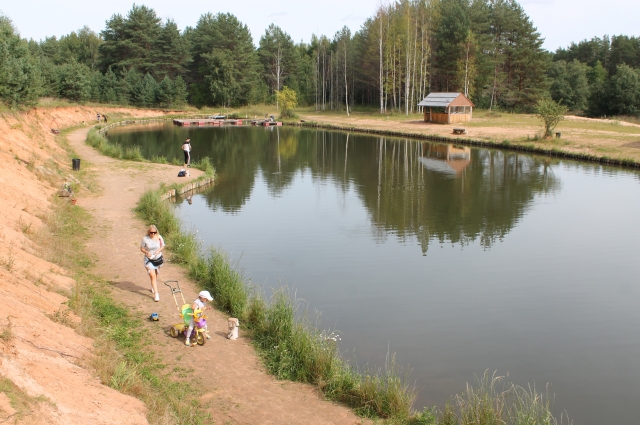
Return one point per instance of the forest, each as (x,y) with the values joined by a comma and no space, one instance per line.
(487,49)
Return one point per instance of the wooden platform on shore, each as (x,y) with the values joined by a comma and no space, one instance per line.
(200,122)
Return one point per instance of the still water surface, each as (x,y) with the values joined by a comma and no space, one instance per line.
(459,260)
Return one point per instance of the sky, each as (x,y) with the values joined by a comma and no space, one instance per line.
(559,21)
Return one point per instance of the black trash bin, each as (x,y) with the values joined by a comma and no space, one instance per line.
(75,162)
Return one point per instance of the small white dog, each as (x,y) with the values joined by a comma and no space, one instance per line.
(233,325)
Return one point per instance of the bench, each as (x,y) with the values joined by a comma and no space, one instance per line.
(458,130)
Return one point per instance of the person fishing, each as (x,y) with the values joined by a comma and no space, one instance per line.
(186,149)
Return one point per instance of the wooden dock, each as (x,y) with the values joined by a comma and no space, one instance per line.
(201,122)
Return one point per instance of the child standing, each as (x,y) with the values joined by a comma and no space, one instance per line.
(199,304)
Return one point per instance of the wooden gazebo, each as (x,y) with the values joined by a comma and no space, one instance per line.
(450,108)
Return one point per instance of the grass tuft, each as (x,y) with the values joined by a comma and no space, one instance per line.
(205,165)
(488,402)
(7,333)
(20,401)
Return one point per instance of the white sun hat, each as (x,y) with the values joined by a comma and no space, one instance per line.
(205,294)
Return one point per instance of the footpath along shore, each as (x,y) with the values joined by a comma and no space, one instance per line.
(234,385)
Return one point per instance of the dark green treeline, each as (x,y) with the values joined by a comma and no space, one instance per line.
(488,49)
(600,76)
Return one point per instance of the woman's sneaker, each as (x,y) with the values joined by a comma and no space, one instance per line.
(157,297)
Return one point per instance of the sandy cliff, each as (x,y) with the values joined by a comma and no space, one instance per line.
(43,380)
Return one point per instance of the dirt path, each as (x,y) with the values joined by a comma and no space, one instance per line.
(235,385)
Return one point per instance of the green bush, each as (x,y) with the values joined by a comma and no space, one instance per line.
(133,154)
(550,113)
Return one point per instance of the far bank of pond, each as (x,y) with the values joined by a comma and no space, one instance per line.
(458,259)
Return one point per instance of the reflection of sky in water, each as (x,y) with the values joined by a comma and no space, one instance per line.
(540,281)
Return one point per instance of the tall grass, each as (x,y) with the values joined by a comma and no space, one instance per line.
(292,347)
(98,141)
(492,401)
(205,165)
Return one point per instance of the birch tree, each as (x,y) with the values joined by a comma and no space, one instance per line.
(276,52)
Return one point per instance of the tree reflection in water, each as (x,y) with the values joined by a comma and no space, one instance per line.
(410,188)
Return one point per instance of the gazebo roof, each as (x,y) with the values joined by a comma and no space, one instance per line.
(445,100)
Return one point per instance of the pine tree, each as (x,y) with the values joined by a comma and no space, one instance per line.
(173,53)
(451,33)
(20,82)
(130,88)
(75,83)
(224,68)
(95,85)
(165,92)
(109,88)
(179,92)
(131,42)
(598,96)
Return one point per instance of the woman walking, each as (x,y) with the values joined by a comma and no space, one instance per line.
(151,246)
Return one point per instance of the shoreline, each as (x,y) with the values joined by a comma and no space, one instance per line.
(506,145)
(509,145)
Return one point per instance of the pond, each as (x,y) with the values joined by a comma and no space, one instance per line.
(459,260)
